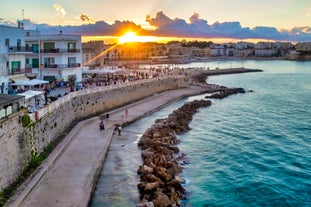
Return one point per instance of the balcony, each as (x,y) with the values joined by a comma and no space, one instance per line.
(60,50)
(19,49)
(20,71)
(70,65)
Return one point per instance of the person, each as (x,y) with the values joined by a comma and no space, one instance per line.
(126,113)
(102,124)
(119,128)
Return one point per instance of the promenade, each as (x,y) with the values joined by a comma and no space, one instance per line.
(68,176)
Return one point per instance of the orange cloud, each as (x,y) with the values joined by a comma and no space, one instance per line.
(86,18)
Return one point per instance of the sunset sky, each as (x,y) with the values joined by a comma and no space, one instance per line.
(288,20)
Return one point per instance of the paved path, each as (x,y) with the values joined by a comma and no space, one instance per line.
(67,177)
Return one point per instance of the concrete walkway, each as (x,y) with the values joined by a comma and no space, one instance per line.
(68,176)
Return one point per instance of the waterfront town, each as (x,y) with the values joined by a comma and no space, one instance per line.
(59,59)
(37,69)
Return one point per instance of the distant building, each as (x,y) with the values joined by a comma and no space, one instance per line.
(303,50)
(222,49)
(178,53)
(244,49)
(304,47)
(93,53)
(273,49)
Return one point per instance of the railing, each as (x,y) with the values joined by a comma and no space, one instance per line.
(72,95)
(60,50)
(14,49)
(70,65)
(17,71)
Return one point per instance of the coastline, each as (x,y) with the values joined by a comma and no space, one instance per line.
(169,62)
(29,193)
(84,158)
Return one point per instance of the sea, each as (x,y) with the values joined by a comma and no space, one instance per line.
(251,149)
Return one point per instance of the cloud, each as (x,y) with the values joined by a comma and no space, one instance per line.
(86,18)
(165,26)
(59,9)
(199,28)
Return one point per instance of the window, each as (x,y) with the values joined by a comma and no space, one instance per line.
(35,48)
(49,46)
(71,62)
(19,43)
(7,42)
(15,66)
(35,63)
(49,63)
(71,46)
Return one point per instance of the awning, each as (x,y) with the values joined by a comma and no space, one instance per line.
(18,78)
(29,82)
(30,94)
(8,98)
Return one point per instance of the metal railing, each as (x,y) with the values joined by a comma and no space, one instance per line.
(14,49)
(69,65)
(60,50)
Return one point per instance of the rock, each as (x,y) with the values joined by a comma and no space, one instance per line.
(144,169)
(180,179)
(225,92)
(161,199)
(160,182)
(145,204)
(151,186)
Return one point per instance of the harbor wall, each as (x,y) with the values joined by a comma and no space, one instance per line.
(18,144)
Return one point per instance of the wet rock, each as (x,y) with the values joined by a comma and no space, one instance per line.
(223,92)
(160,182)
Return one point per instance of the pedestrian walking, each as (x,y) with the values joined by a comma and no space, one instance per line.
(126,113)
(119,128)
(102,125)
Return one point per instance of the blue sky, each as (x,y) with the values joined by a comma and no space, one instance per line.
(242,19)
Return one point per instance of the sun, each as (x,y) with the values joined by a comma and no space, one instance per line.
(128,37)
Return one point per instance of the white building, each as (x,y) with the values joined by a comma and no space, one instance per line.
(12,56)
(55,57)
(222,50)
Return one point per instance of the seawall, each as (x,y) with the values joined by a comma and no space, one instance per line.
(18,144)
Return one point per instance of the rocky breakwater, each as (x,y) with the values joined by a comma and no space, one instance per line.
(222,92)
(160,184)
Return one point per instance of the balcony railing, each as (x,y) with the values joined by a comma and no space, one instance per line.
(20,71)
(14,49)
(70,65)
(60,50)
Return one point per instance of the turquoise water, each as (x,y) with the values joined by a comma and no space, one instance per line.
(251,149)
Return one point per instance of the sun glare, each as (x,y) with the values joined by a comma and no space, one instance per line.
(132,37)
(128,37)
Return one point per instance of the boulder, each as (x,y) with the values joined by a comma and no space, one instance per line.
(160,183)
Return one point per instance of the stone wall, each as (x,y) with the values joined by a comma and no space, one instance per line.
(18,143)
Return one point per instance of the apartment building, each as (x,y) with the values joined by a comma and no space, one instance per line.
(12,56)
(55,57)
